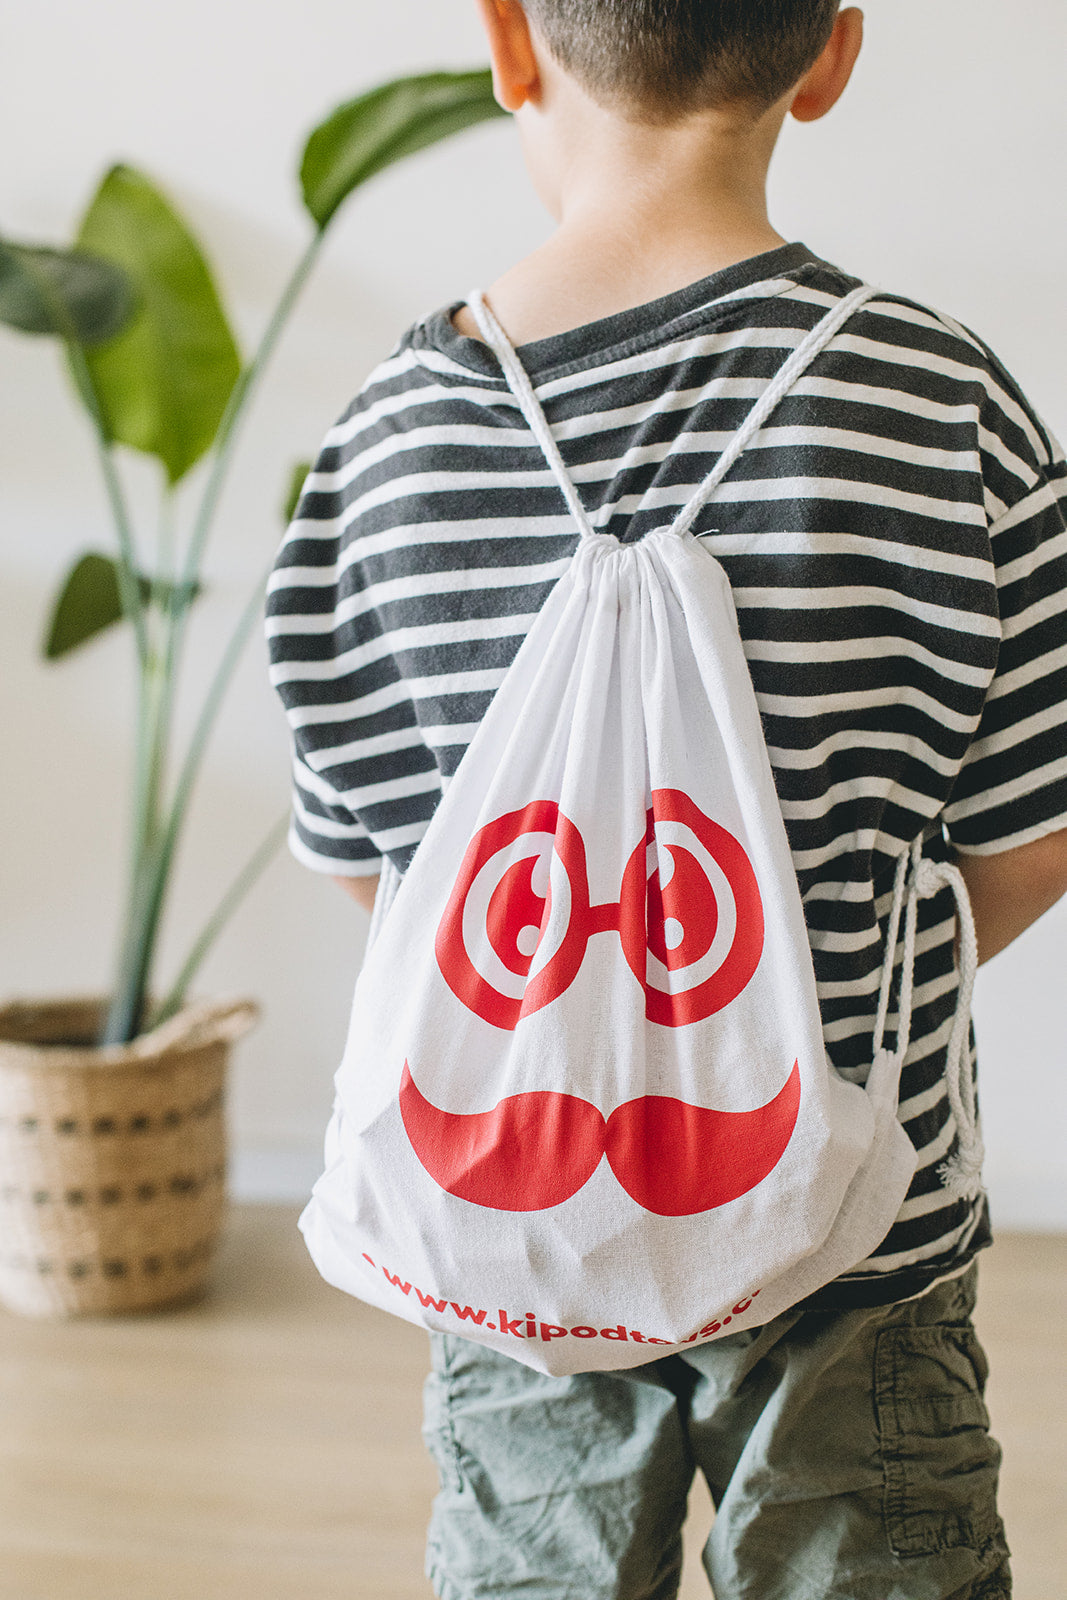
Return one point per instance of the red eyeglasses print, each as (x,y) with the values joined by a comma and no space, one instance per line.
(676,922)
(692,936)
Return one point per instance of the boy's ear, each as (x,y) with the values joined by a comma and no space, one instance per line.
(825,82)
(516,74)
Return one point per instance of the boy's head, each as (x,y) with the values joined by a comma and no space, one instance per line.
(662,59)
(670,103)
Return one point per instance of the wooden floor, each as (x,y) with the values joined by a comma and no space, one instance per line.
(264,1445)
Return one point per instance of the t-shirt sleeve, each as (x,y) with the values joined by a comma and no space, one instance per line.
(325,832)
(1012,787)
(365,780)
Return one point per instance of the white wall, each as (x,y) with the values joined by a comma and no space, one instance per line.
(938,177)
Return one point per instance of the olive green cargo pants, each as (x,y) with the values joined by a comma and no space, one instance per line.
(847,1453)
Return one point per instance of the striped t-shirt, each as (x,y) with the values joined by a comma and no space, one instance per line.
(896,543)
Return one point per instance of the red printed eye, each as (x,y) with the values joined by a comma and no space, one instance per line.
(682,913)
(690,918)
(514,932)
(517,915)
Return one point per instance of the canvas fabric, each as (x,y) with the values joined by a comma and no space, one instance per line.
(585,1110)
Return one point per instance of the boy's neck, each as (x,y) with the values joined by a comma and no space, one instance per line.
(642,211)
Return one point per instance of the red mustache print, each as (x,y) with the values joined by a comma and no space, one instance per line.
(534,1150)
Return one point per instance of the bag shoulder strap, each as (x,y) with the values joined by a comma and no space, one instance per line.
(519,383)
(790,373)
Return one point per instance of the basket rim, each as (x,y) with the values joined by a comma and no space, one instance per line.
(198,1024)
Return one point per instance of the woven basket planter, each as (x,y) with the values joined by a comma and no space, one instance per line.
(112,1160)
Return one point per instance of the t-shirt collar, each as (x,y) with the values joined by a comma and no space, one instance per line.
(650,323)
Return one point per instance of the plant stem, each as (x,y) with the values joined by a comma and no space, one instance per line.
(158,829)
(165,576)
(225,441)
(129,589)
(124,1013)
(157,855)
(223,911)
(205,722)
(138,937)
(167,608)
(120,1025)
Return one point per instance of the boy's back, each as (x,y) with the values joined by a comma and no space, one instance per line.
(865,539)
(895,542)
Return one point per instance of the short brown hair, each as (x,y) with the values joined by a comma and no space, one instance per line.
(665,58)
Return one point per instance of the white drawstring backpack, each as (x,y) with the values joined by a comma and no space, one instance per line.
(585,1113)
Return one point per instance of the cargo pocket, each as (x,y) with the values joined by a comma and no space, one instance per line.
(438,1428)
(939,1461)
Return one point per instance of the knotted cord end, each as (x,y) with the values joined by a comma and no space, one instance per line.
(930,878)
(961,1174)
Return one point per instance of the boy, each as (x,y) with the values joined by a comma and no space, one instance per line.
(897,548)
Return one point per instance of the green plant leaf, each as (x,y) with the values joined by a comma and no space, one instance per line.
(164,383)
(366,135)
(69,294)
(297,479)
(90,601)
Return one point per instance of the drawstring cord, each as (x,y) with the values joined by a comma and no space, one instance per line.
(920,879)
(519,383)
(791,372)
(892,935)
